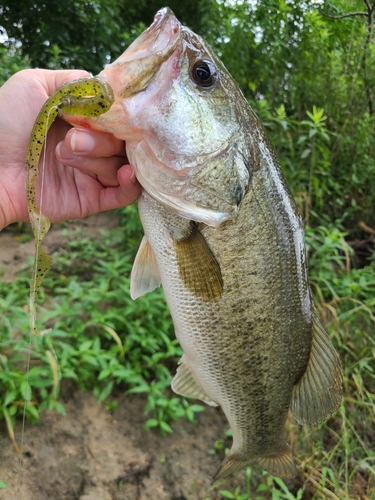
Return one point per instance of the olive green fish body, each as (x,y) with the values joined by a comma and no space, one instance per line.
(248,347)
(224,238)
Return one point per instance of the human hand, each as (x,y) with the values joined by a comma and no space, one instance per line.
(85,171)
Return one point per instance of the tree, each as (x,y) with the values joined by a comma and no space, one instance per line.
(84,34)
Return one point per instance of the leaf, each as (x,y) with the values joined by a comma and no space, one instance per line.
(104,374)
(305,153)
(115,336)
(227,494)
(10,429)
(55,371)
(151,422)
(26,391)
(59,408)
(9,397)
(32,412)
(312,132)
(139,389)
(165,428)
(106,391)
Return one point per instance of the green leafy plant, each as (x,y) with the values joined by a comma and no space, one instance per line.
(100,338)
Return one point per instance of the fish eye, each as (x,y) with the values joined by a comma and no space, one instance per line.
(204,74)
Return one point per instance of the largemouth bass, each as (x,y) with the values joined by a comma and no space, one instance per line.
(224,238)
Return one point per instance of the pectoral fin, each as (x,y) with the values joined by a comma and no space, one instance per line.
(318,393)
(185,384)
(145,275)
(198,267)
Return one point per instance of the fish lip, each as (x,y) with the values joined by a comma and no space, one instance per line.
(161,35)
(161,17)
(130,73)
(165,28)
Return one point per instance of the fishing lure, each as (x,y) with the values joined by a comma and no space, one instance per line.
(83,97)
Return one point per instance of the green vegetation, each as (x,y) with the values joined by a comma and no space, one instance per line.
(274,487)
(100,337)
(310,79)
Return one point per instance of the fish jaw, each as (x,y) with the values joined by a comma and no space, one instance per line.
(131,72)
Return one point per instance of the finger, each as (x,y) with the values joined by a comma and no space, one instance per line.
(105,169)
(93,143)
(48,80)
(126,193)
(55,78)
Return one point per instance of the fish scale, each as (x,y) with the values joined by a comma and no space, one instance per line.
(244,324)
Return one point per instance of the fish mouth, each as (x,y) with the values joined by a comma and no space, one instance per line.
(131,73)
(163,32)
(135,68)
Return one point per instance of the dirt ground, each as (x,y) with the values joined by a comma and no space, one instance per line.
(15,250)
(92,454)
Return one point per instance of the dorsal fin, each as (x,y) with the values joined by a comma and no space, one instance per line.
(318,393)
(145,275)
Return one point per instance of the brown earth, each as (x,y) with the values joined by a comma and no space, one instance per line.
(92,454)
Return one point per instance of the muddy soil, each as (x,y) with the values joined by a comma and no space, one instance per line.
(92,454)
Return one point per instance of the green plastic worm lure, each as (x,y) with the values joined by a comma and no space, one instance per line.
(83,97)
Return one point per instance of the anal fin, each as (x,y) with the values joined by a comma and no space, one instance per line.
(231,464)
(145,275)
(185,384)
(318,392)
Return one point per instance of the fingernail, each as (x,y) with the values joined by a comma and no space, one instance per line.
(133,177)
(63,153)
(58,150)
(81,142)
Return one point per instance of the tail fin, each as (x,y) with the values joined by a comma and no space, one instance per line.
(279,464)
(230,465)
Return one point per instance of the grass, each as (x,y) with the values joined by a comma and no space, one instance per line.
(101,339)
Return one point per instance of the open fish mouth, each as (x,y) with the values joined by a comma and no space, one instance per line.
(136,67)
(132,72)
